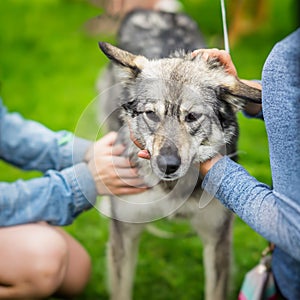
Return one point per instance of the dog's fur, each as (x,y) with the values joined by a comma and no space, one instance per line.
(182,110)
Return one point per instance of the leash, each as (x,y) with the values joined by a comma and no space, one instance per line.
(225,32)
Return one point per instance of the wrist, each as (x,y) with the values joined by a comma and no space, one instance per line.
(208,164)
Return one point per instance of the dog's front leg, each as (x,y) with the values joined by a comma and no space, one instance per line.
(216,236)
(122,256)
(217,270)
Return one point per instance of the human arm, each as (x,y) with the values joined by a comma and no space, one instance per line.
(113,173)
(273,214)
(270,214)
(58,197)
(251,109)
(260,207)
(30,145)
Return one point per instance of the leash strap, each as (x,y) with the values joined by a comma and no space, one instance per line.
(225,33)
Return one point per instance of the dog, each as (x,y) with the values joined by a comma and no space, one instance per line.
(182,109)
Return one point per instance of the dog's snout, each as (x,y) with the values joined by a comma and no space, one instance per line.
(168,164)
(168,160)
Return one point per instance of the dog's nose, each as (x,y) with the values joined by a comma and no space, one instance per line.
(168,163)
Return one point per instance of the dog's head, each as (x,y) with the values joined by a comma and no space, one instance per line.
(181,109)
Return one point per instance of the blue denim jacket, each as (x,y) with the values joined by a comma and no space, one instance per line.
(274,213)
(67,187)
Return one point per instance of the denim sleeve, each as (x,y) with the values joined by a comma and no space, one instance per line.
(272,215)
(31,146)
(57,197)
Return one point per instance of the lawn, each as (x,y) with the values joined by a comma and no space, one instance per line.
(48,69)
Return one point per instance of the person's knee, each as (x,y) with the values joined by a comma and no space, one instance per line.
(79,269)
(48,261)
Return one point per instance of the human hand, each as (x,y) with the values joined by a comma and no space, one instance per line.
(251,108)
(113,174)
(225,59)
(222,55)
(208,164)
(143,153)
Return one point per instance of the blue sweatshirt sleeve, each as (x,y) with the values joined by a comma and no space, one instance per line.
(57,197)
(272,215)
(31,146)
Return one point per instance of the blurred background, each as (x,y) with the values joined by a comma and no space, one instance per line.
(49,64)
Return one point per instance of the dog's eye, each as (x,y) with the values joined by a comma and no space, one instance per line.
(192,117)
(152,115)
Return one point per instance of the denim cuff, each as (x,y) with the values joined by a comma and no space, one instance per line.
(72,149)
(82,185)
(80,147)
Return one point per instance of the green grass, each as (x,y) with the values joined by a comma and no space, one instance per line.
(48,69)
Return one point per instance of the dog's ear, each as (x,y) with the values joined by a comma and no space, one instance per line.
(134,63)
(240,94)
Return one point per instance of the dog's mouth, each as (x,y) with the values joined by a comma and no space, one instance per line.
(170,178)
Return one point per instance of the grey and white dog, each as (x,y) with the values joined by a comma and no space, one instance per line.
(182,109)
